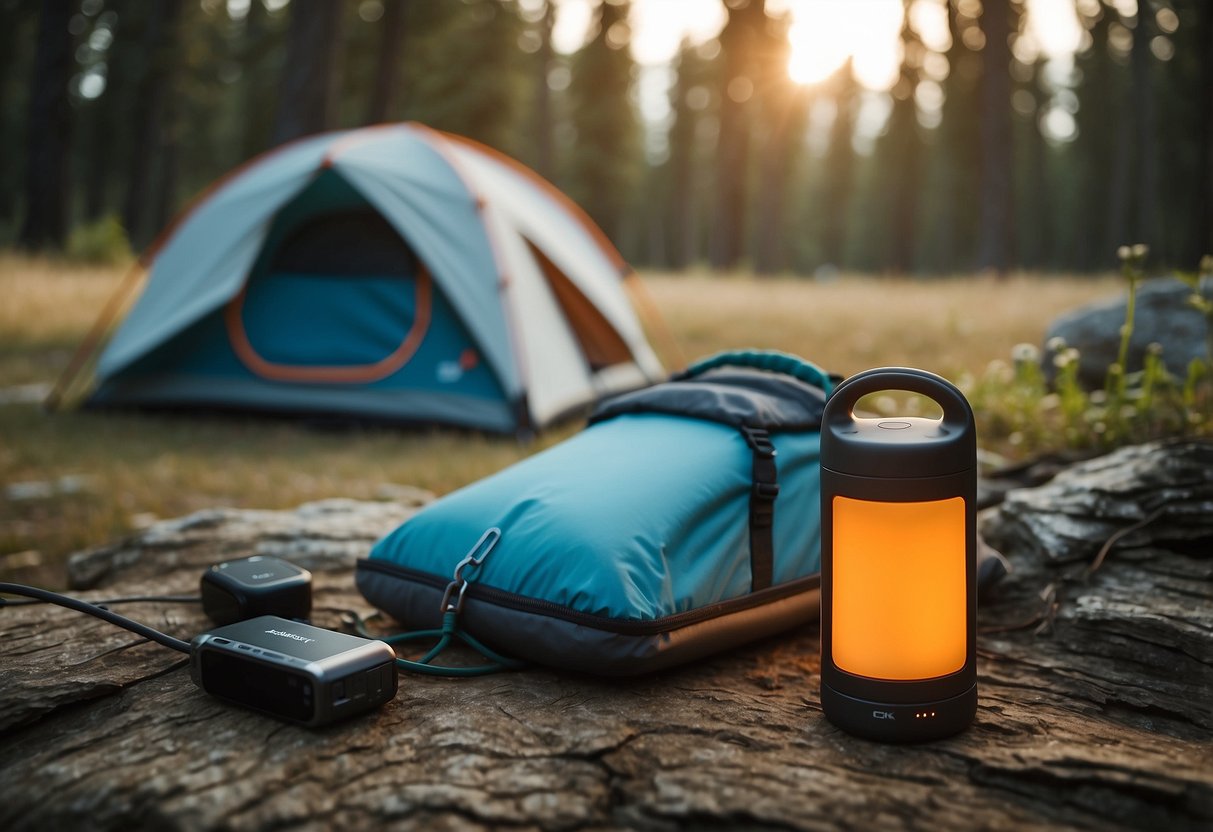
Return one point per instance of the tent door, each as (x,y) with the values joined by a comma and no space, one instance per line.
(340,299)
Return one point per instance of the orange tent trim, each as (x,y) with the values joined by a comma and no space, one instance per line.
(359,374)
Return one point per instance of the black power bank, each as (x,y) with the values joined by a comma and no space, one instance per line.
(293,671)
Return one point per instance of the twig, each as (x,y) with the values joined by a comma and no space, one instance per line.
(1115,538)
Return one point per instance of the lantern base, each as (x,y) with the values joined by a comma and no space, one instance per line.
(887,722)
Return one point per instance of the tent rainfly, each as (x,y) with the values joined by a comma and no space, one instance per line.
(392,273)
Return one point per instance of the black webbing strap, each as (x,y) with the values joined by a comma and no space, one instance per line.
(763,491)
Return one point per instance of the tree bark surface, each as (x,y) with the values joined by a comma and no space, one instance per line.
(1103,719)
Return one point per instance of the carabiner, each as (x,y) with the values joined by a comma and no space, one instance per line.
(472,559)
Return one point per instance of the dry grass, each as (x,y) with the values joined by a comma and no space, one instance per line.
(48,306)
(949,325)
(134,465)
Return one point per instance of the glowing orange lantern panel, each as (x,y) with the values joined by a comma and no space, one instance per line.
(899,588)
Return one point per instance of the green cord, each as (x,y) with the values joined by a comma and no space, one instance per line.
(448,633)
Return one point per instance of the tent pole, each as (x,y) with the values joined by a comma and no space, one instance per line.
(88,346)
(653,317)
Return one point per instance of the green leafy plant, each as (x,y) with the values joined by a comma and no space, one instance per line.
(1020,412)
(102,243)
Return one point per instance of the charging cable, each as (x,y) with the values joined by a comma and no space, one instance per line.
(450,632)
(98,610)
(131,599)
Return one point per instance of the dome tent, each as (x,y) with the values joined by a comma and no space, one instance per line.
(394,273)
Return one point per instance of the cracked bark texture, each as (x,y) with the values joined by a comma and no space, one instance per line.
(1103,719)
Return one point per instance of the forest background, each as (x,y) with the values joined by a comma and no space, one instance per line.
(990,145)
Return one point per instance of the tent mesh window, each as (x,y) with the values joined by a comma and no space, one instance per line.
(355,242)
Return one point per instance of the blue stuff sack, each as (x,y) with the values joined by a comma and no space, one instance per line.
(684,520)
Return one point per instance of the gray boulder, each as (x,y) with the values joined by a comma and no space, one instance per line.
(1163,316)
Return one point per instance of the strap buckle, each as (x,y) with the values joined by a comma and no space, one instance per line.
(765,491)
(759,440)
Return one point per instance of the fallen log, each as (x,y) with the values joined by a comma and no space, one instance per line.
(1101,719)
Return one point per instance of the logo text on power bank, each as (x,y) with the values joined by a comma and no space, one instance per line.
(290,635)
(882,714)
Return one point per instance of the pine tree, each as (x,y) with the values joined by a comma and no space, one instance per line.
(601,170)
(739,41)
(689,172)
(48,131)
(952,184)
(898,163)
(997,147)
(784,112)
(839,167)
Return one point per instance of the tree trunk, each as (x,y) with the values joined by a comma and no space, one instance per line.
(1146,199)
(740,34)
(48,131)
(1102,722)
(387,70)
(306,103)
(170,169)
(1034,221)
(154,86)
(17,23)
(996,157)
(544,159)
(1203,214)
(257,87)
(839,167)
(96,152)
(683,249)
(778,162)
(957,157)
(903,184)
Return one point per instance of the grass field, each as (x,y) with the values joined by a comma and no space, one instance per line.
(73,480)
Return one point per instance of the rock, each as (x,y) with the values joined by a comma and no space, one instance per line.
(25,393)
(324,535)
(1162,316)
(1105,725)
(409,495)
(66,486)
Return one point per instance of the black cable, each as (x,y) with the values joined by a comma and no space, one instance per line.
(100,612)
(105,602)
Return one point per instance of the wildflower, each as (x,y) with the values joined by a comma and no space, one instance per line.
(1025,354)
(1124,252)
(1206,264)
(1065,358)
(1140,250)
(1056,344)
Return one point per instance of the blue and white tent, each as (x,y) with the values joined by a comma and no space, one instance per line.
(393,272)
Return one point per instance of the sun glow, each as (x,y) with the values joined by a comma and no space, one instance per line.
(824,33)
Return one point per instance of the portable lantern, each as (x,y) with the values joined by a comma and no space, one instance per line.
(898,562)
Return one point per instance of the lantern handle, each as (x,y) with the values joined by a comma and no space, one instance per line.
(956,409)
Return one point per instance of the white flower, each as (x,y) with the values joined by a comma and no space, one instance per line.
(1025,354)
